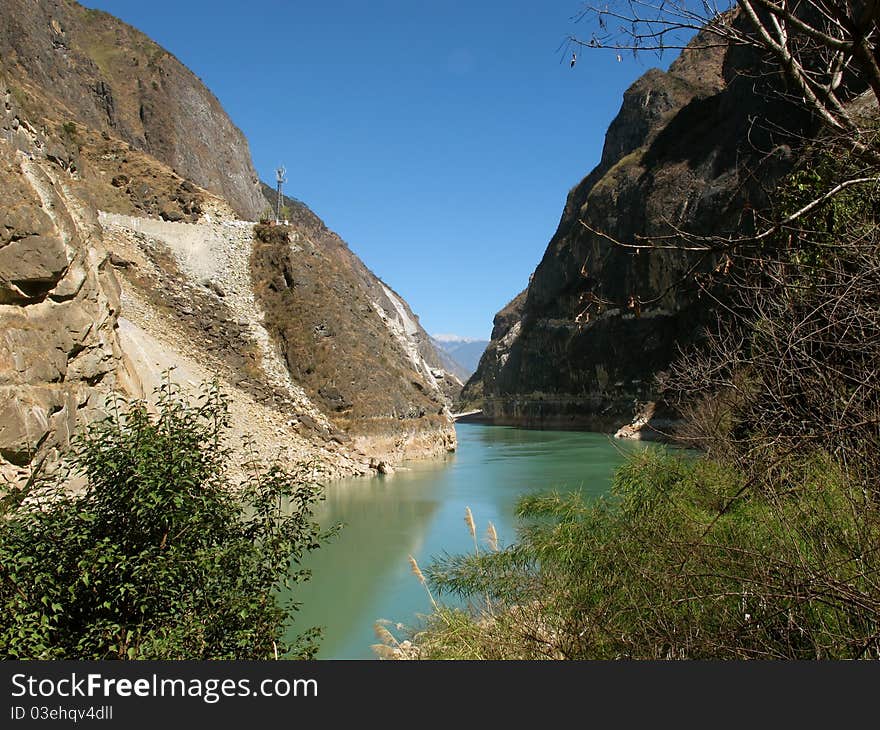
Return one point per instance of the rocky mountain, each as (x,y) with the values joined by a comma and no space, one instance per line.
(463,353)
(129,254)
(347,337)
(694,148)
(70,64)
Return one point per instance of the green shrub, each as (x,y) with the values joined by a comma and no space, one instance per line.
(161,555)
(685,559)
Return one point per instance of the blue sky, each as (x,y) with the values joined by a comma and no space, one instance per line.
(438,139)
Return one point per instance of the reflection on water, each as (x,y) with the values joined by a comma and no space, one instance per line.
(364,574)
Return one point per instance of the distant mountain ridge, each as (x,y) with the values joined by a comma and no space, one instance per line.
(456,338)
(464,353)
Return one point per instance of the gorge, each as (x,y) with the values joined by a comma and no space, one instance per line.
(142,259)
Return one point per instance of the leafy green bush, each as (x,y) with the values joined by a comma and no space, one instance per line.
(685,559)
(161,555)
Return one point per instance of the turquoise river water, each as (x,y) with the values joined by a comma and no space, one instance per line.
(364,575)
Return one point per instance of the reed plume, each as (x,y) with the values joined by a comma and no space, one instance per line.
(417,572)
(384,635)
(492,537)
(469,521)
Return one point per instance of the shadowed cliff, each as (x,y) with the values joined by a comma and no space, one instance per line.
(692,149)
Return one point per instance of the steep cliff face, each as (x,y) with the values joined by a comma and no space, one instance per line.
(124,256)
(350,340)
(59,301)
(65,63)
(94,304)
(691,149)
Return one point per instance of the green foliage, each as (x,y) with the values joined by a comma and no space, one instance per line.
(768,546)
(813,239)
(161,555)
(685,559)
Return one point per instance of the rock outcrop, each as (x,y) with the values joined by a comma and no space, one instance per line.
(59,353)
(694,149)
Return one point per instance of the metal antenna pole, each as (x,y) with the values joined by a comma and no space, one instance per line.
(279,176)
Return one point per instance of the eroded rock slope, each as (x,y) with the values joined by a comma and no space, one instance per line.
(128,251)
